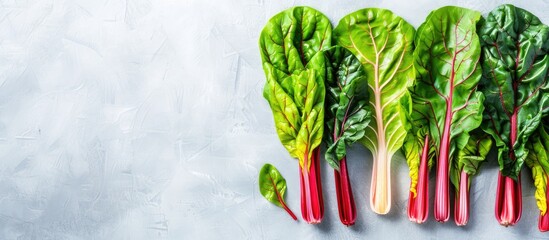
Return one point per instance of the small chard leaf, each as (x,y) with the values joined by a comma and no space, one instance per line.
(273,187)
(291,47)
(383,43)
(515,66)
(348,112)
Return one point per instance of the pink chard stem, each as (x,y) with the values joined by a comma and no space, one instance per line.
(442,198)
(312,205)
(461,206)
(509,192)
(543,221)
(418,205)
(508,201)
(345,199)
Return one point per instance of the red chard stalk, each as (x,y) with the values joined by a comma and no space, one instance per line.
(345,200)
(543,221)
(312,205)
(461,207)
(508,201)
(418,201)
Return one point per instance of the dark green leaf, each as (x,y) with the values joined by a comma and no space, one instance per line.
(348,112)
(515,73)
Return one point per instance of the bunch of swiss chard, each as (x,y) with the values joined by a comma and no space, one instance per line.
(292,45)
(444,94)
(515,62)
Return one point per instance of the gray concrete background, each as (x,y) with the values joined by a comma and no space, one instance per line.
(144,119)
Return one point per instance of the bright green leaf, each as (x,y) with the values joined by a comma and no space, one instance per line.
(291,50)
(272,185)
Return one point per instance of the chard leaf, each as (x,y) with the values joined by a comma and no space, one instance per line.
(291,50)
(348,112)
(382,42)
(515,73)
(538,161)
(446,59)
(273,187)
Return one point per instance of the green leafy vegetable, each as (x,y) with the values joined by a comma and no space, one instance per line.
(291,49)
(273,187)
(347,102)
(347,117)
(515,72)
(515,45)
(382,41)
(446,59)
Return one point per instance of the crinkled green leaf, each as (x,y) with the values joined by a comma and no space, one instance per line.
(446,59)
(383,43)
(348,112)
(471,156)
(292,38)
(271,184)
(515,73)
(538,161)
(291,49)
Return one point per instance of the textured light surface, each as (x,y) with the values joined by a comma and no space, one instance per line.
(145,119)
